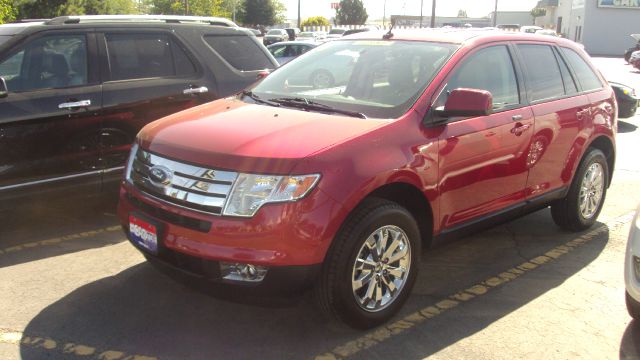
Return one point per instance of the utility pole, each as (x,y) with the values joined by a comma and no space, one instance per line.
(433,14)
(421,4)
(495,15)
(384,13)
(298,14)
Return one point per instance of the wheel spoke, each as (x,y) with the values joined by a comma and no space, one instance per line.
(399,255)
(397,273)
(394,245)
(381,244)
(363,280)
(391,287)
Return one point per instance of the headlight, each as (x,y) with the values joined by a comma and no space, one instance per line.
(132,156)
(251,191)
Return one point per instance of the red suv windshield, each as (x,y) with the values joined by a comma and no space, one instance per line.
(378,78)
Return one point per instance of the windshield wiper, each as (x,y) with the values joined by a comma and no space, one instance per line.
(306,104)
(257,98)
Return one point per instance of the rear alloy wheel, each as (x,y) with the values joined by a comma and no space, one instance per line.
(372,265)
(583,203)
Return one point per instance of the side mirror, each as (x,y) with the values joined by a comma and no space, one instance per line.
(4,92)
(466,102)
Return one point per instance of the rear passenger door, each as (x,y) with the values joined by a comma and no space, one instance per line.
(482,159)
(148,75)
(51,115)
(561,114)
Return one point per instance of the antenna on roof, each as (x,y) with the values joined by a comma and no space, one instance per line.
(389,34)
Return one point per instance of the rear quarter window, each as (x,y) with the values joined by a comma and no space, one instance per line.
(544,78)
(241,52)
(585,74)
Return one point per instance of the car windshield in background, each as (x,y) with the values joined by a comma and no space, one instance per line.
(378,78)
(337,31)
(275,32)
(4,39)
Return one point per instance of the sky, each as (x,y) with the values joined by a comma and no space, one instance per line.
(474,8)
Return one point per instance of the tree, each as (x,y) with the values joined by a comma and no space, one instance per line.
(537,12)
(462,13)
(7,11)
(316,21)
(351,12)
(262,12)
(35,9)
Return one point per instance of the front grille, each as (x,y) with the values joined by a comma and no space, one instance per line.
(171,218)
(189,186)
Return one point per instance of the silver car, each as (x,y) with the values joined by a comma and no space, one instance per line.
(632,268)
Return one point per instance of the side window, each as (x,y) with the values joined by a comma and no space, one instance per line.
(138,56)
(241,52)
(569,82)
(586,77)
(544,79)
(279,51)
(49,62)
(489,69)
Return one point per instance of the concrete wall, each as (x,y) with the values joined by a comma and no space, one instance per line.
(606,30)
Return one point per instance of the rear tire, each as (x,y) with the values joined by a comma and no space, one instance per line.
(371,266)
(580,208)
(633,307)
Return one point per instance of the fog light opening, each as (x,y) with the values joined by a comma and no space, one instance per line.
(636,266)
(242,272)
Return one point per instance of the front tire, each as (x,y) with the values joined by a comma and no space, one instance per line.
(580,208)
(372,265)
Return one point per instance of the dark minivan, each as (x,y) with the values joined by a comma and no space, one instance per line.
(74,91)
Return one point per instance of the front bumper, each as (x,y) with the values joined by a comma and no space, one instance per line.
(290,239)
(627,107)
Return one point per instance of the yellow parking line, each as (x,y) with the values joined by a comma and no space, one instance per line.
(58,240)
(47,344)
(383,333)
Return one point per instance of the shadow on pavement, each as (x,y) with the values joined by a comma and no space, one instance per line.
(625,127)
(140,311)
(630,344)
(58,223)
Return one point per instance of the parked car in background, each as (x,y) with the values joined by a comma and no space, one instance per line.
(530,29)
(627,54)
(292,33)
(627,99)
(634,59)
(274,36)
(335,33)
(632,268)
(312,35)
(284,52)
(336,186)
(547,32)
(74,91)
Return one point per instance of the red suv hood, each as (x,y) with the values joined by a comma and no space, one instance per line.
(231,134)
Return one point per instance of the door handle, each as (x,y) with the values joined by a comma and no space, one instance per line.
(197,90)
(520,128)
(75,104)
(516,117)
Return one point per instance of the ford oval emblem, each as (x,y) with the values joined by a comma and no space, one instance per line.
(160,175)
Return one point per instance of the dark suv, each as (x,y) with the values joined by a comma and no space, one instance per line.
(74,91)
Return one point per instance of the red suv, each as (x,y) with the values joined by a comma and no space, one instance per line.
(337,185)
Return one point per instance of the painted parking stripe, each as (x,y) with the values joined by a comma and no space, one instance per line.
(383,333)
(47,344)
(58,240)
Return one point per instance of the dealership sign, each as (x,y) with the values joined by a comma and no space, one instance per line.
(633,4)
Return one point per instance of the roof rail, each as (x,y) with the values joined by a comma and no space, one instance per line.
(62,20)
(21,21)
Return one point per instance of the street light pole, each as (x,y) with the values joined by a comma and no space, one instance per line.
(433,14)
(421,4)
(495,15)
(298,14)
(384,13)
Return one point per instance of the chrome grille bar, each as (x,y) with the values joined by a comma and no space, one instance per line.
(190,186)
